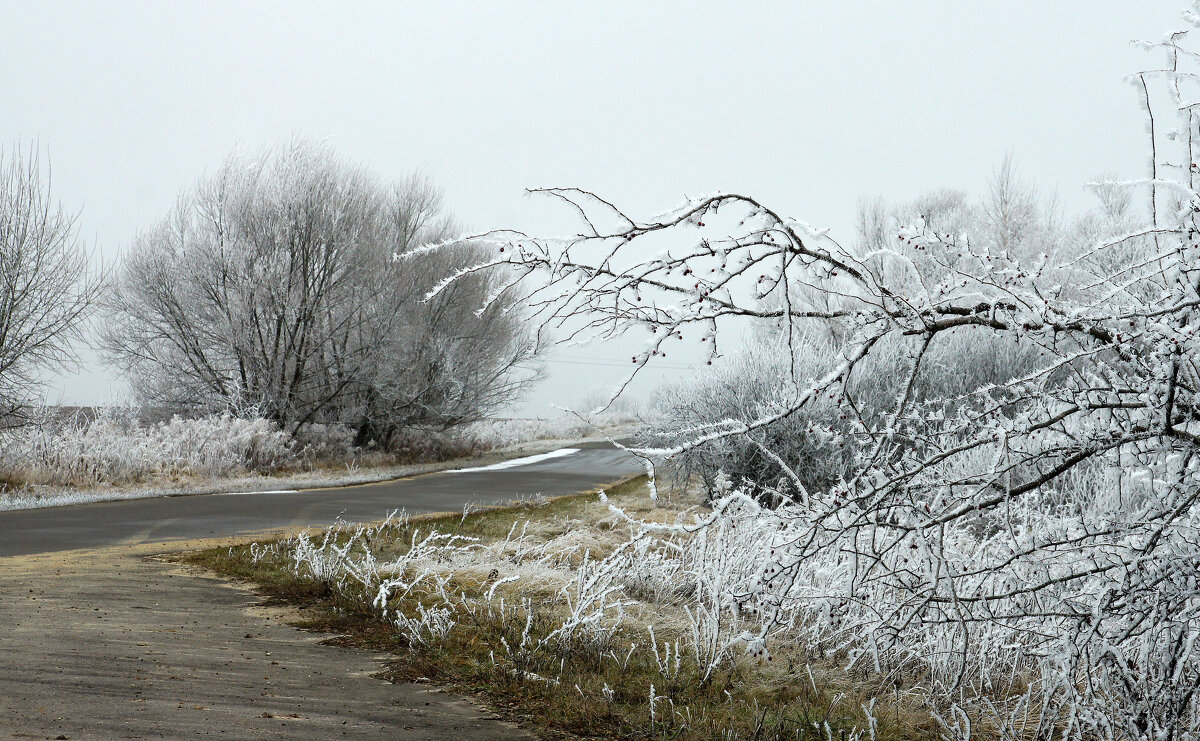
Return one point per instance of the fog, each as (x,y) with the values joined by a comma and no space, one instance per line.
(807,105)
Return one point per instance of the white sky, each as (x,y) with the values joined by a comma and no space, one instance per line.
(808,105)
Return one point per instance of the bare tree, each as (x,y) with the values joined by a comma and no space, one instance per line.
(272,288)
(47,288)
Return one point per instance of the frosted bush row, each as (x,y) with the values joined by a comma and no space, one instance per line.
(500,433)
(117,448)
(1075,643)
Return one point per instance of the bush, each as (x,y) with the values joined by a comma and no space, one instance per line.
(812,447)
(116,448)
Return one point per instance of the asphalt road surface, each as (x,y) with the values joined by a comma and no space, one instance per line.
(164,519)
(103,641)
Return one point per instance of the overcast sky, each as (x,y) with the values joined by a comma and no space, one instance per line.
(808,105)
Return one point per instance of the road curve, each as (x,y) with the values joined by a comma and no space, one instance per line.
(166,519)
(101,642)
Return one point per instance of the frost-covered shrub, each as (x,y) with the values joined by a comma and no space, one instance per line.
(323,442)
(116,447)
(814,445)
(746,386)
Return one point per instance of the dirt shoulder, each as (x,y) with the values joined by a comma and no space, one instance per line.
(108,644)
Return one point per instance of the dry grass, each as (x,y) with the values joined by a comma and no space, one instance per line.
(597,688)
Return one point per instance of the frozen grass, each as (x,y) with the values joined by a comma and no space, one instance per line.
(115,448)
(615,616)
(628,616)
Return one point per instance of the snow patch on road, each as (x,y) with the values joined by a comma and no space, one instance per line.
(519,461)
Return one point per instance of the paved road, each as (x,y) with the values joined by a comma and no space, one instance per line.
(101,642)
(188,517)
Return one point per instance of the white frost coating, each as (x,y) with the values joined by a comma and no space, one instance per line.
(966,450)
(519,461)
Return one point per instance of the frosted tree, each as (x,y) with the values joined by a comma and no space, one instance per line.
(1027,542)
(47,288)
(270,289)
